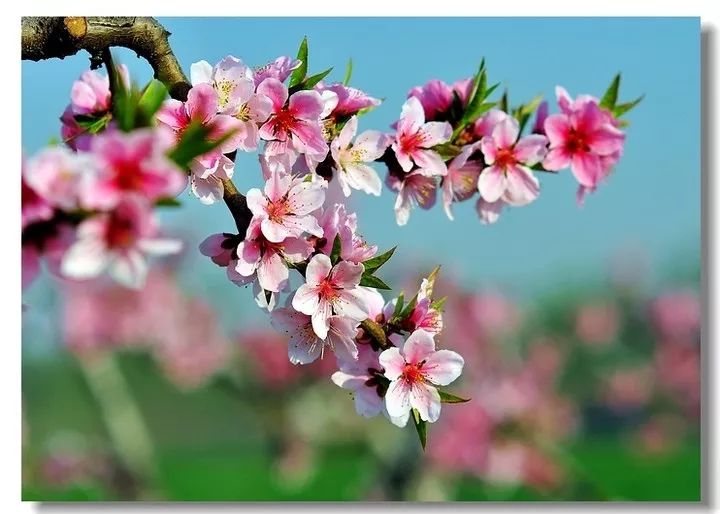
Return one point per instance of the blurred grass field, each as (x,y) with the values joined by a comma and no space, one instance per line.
(210,448)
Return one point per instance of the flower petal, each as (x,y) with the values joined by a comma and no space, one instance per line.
(443,367)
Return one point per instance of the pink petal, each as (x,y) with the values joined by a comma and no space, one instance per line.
(606,140)
(488,212)
(587,168)
(556,159)
(212,245)
(248,253)
(309,134)
(275,231)
(393,362)
(435,133)
(489,149)
(492,183)
(363,178)
(522,186)
(318,269)
(412,116)
(306,105)
(320,317)
(430,161)
(397,397)
(272,272)
(351,303)
(275,91)
(443,367)
(341,337)
(531,149)
(306,197)
(372,144)
(563,99)
(306,300)
(426,399)
(346,275)
(202,103)
(277,186)
(557,128)
(418,347)
(506,132)
(347,133)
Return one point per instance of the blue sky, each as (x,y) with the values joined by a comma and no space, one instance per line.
(652,203)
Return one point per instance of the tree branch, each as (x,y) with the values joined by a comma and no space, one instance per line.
(59,37)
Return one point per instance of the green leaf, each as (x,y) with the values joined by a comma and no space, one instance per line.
(446,397)
(373,281)
(312,81)
(421,427)
(299,74)
(409,307)
(476,106)
(92,125)
(151,99)
(168,202)
(348,72)
(621,109)
(398,305)
(609,99)
(195,142)
(371,265)
(504,103)
(336,250)
(439,304)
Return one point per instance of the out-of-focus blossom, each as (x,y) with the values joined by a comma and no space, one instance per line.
(597,323)
(118,242)
(675,316)
(55,175)
(133,163)
(34,207)
(488,212)
(629,388)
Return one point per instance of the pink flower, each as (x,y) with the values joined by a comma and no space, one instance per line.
(417,188)
(56,175)
(580,138)
(233,82)
(132,163)
(540,117)
(206,182)
(334,221)
(90,94)
(117,242)
(363,376)
(298,123)
(202,107)
(415,138)
(436,97)
(461,180)
(508,175)
(675,316)
(352,158)
(598,323)
(34,207)
(269,260)
(488,212)
(305,346)
(330,290)
(412,370)
(285,207)
(219,247)
(279,69)
(349,100)
(485,125)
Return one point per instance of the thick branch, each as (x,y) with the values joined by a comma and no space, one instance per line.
(60,37)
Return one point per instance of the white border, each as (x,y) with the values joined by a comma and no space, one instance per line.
(10,264)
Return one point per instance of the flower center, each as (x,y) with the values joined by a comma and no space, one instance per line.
(576,143)
(409,142)
(224,88)
(120,232)
(505,158)
(128,176)
(412,373)
(327,291)
(276,211)
(284,121)
(243,113)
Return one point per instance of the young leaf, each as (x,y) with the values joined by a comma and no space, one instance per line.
(336,250)
(439,304)
(168,202)
(371,265)
(299,74)
(348,72)
(421,427)
(193,143)
(504,102)
(398,305)
(373,281)
(312,81)
(609,99)
(621,109)
(446,397)
(151,99)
